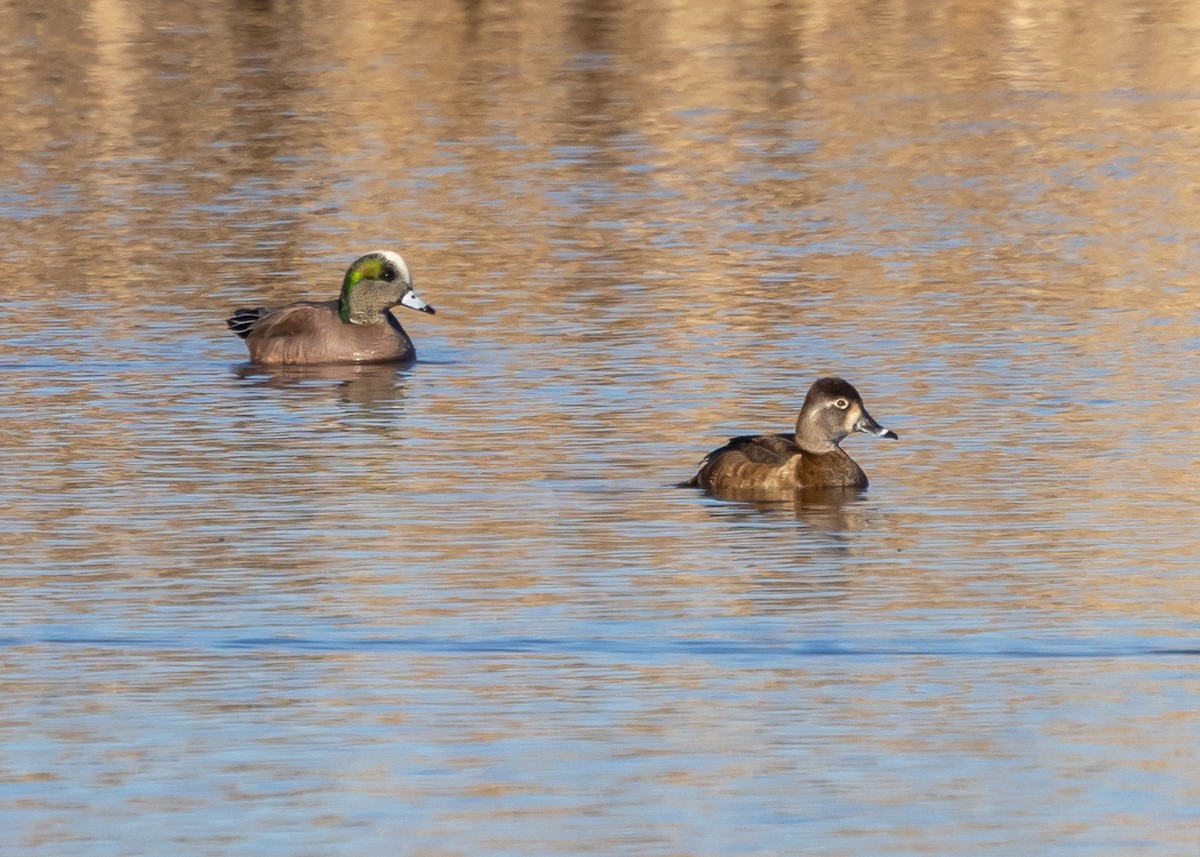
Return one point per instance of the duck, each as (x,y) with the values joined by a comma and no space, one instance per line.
(356,327)
(811,458)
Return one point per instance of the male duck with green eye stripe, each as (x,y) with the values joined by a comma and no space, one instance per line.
(357,327)
(810,458)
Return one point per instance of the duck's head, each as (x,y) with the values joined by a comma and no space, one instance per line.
(375,283)
(831,411)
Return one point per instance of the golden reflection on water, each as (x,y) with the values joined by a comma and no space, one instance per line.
(226,147)
(647,227)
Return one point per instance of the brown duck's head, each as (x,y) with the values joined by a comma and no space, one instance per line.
(832,410)
(375,283)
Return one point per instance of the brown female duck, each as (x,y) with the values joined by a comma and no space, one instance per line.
(357,327)
(810,458)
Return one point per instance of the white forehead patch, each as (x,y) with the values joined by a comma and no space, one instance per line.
(397,260)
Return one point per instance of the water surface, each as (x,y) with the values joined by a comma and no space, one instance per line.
(460,607)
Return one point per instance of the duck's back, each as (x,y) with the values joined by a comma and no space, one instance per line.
(751,463)
(311,332)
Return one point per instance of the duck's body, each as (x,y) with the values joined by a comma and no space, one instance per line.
(809,458)
(775,462)
(357,327)
(312,332)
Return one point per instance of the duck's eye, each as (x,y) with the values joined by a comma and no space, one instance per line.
(841,404)
(389,274)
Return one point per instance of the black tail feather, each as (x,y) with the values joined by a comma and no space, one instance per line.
(243,320)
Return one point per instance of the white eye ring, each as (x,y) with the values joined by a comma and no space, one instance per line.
(841,404)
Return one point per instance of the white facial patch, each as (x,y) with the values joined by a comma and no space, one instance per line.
(397,260)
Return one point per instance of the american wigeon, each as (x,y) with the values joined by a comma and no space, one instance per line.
(810,458)
(357,327)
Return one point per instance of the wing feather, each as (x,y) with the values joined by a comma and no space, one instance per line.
(291,320)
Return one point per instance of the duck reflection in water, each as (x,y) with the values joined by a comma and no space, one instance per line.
(811,460)
(828,510)
(365,384)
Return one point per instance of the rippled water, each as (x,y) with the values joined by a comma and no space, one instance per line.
(460,607)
